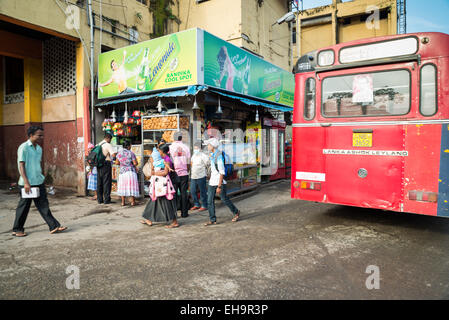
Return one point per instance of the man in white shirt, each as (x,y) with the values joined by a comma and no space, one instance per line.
(104,177)
(217,183)
(200,162)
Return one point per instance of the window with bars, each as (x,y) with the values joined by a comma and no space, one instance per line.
(59,67)
(13,80)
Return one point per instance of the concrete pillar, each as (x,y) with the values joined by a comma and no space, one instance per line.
(82,118)
(32,90)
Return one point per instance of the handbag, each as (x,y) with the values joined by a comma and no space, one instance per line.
(147,169)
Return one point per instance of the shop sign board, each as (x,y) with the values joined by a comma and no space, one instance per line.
(229,67)
(162,63)
(191,57)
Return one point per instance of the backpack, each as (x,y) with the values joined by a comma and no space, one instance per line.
(228,165)
(96,157)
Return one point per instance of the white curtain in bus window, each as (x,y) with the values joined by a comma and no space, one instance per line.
(374,94)
(309,99)
(362,88)
(428,99)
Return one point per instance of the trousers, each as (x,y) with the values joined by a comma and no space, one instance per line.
(41,203)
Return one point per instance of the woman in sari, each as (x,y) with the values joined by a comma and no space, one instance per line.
(162,208)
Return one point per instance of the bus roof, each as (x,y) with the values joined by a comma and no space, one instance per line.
(376,50)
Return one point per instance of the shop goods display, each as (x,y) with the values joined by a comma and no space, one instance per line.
(165,122)
(168,136)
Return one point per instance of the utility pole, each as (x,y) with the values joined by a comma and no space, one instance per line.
(92,59)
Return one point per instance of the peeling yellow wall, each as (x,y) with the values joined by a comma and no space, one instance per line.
(48,17)
(314,37)
(222,18)
(59,109)
(268,40)
(358,30)
(229,19)
(310,41)
(13,114)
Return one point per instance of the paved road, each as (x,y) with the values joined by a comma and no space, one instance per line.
(281,249)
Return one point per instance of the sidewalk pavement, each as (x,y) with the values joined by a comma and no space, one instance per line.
(85,217)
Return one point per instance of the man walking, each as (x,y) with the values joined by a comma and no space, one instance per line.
(217,184)
(29,157)
(180,154)
(200,163)
(104,171)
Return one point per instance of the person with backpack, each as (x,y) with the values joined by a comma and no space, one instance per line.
(104,168)
(217,183)
(180,154)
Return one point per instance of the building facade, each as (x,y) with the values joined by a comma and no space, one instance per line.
(342,22)
(45,68)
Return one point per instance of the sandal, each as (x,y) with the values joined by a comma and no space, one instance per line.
(236,217)
(58,229)
(210,223)
(19,234)
(171,226)
(145,222)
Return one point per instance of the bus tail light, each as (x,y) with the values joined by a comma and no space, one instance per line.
(307,185)
(423,196)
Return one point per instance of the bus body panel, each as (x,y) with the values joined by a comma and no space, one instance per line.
(443,181)
(415,181)
(421,172)
(370,180)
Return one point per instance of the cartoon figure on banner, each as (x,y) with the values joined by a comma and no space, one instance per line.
(237,80)
(119,77)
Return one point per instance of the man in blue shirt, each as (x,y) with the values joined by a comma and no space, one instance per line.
(29,156)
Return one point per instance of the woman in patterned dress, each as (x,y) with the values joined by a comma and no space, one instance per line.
(128,183)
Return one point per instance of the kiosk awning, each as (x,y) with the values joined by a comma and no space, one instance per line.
(192,91)
(189,91)
(253,102)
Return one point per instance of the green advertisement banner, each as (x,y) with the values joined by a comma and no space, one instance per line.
(231,68)
(165,62)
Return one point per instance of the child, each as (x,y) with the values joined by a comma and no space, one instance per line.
(92,175)
(158,162)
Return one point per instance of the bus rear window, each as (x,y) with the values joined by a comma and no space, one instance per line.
(367,94)
(309,99)
(428,96)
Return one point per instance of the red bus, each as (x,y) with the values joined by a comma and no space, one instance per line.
(371,124)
